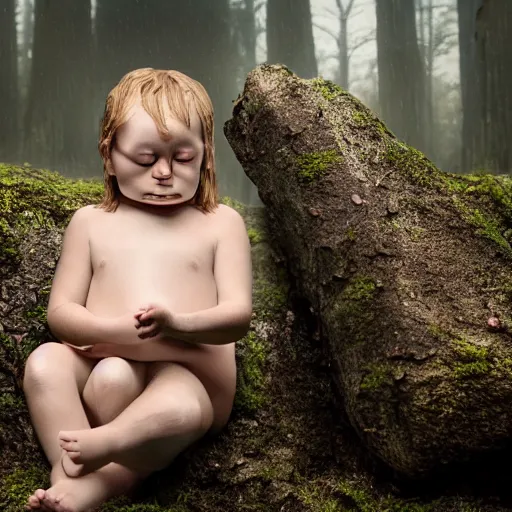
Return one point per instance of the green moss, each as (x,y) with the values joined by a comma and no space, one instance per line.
(349,496)
(351,234)
(360,288)
(416,233)
(30,199)
(18,485)
(473,360)
(10,401)
(255,236)
(250,394)
(39,313)
(118,506)
(251,107)
(269,299)
(314,165)
(233,203)
(365,118)
(486,226)
(499,188)
(412,163)
(352,309)
(378,376)
(329,90)
(437,332)
(494,192)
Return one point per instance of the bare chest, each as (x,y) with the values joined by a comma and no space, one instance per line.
(139,260)
(161,248)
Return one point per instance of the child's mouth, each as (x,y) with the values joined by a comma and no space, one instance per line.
(160,197)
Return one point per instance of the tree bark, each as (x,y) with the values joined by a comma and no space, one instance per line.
(9,102)
(290,36)
(376,239)
(402,90)
(470,78)
(494,41)
(59,125)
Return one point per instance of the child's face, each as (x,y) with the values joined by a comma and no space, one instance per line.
(153,171)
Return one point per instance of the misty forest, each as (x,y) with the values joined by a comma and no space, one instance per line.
(435,71)
(376,372)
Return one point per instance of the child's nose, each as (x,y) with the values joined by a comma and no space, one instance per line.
(162,169)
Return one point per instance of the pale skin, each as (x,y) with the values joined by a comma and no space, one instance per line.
(148,302)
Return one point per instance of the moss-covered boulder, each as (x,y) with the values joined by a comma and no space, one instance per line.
(408,267)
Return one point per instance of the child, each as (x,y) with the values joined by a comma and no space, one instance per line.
(151,292)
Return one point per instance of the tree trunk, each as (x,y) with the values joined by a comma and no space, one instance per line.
(290,36)
(59,126)
(470,78)
(402,93)
(343,52)
(9,83)
(26,47)
(494,41)
(376,239)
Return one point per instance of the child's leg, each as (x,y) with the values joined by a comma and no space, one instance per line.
(172,412)
(113,385)
(55,376)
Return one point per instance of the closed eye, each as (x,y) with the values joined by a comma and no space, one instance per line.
(150,164)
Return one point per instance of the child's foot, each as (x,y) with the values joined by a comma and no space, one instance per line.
(35,501)
(87,492)
(87,450)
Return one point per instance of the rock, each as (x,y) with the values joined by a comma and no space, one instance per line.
(413,279)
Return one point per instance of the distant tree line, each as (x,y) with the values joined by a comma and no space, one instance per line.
(55,77)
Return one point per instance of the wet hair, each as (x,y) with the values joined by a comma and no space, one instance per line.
(153,88)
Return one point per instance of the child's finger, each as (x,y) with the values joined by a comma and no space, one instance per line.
(146,330)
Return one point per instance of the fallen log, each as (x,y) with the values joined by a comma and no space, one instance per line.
(407,267)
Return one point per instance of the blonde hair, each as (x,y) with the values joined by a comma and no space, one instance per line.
(153,87)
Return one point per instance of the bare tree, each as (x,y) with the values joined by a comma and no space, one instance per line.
(344,48)
(437,37)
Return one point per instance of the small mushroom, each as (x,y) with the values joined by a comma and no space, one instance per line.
(356,199)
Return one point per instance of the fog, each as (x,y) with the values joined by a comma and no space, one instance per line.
(419,64)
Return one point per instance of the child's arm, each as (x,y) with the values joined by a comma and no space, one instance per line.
(230,319)
(68,319)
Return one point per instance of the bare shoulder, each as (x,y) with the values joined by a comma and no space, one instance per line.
(88,214)
(227,218)
(81,217)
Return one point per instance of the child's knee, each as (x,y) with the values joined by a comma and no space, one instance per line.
(46,363)
(117,375)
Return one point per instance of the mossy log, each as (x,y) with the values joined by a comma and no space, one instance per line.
(408,268)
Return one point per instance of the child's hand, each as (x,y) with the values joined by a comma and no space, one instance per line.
(154,320)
